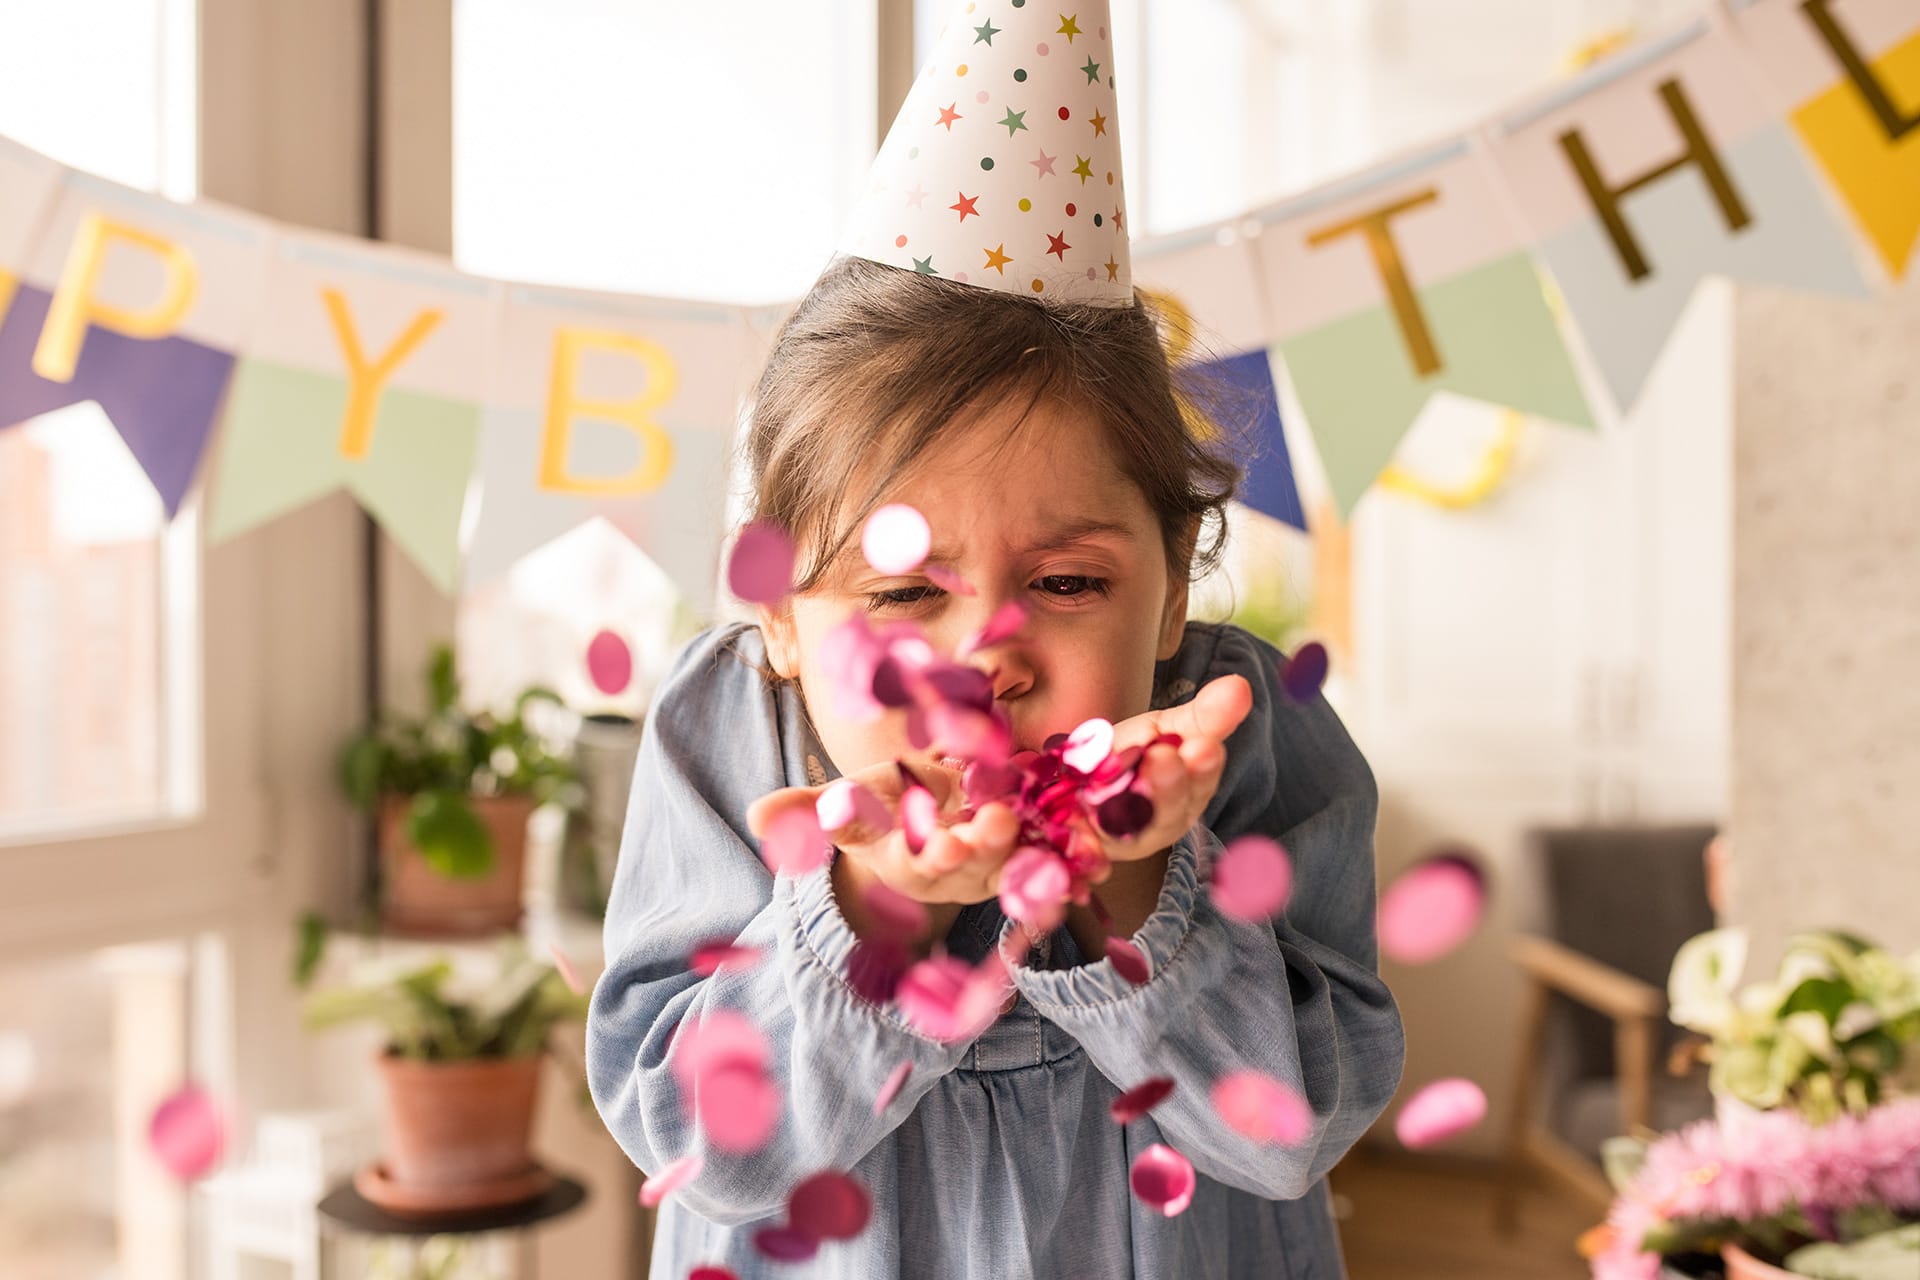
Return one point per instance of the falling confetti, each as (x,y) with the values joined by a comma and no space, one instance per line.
(1163,1180)
(568,974)
(609,663)
(1128,962)
(670,1179)
(1302,674)
(1252,880)
(1262,1108)
(785,1243)
(710,958)
(890,1088)
(830,1206)
(1033,885)
(760,571)
(1440,1111)
(1003,626)
(896,539)
(1140,1099)
(846,802)
(794,842)
(1431,908)
(187,1133)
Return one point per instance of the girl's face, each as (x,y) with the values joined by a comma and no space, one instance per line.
(1043,518)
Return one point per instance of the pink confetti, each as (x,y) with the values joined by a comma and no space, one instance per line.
(968,733)
(1262,1108)
(1252,880)
(890,1088)
(875,966)
(896,539)
(710,958)
(948,580)
(738,1105)
(1302,674)
(894,912)
(1431,908)
(707,1042)
(849,655)
(568,974)
(711,1273)
(830,1206)
(609,662)
(948,999)
(1440,1111)
(677,1174)
(794,842)
(785,1243)
(1034,885)
(919,817)
(1140,1099)
(1162,1179)
(760,571)
(1089,745)
(187,1133)
(1128,962)
(846,802)
(1003,626)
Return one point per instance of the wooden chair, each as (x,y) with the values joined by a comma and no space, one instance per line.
(1621,900)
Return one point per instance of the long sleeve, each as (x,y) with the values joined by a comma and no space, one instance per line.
(1298,1000)
(689,872)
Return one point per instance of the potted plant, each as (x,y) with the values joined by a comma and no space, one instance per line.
(460,1070)
(1811,1166)
(452,792)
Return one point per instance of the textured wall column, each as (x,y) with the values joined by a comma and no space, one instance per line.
(1826,617)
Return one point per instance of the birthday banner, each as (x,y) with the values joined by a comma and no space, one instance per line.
(1775,141)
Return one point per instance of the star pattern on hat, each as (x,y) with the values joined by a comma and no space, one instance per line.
(1020,70)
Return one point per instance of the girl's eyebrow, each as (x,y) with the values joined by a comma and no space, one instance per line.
(1055,537)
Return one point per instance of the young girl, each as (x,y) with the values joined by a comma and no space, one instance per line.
(1040,437)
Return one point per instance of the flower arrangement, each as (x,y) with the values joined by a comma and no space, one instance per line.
(1813,1164)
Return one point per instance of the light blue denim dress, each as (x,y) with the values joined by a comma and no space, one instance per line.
(998,1160)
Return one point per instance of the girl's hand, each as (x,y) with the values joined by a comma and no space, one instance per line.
(1180,781)
(959,864)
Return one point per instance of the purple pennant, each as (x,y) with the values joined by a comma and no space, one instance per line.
(162,394)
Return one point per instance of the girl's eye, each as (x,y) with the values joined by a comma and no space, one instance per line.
(900,597)
(1067,586)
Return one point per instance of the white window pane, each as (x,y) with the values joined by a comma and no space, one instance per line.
(103,85)
(686,150)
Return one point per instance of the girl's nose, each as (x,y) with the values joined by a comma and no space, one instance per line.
(1010,662)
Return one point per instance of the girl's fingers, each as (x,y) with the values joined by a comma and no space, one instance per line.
(762,812)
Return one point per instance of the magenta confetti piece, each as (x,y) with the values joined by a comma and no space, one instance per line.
(948,580)
(1140,1099)
(703,1043)
(1431,908)
(785,1243)
(1440,1111)
(846,802)
(1003,626)
(677,1174)
(969,734)
(710,958)
(890,1088)
(1252,880)
(1262,1108)
(1128,962)
(875,967)
(568,974)
(1033,885)
(609,663)
(1302,674)
(1163,1179)
(919,816)
(896,539)
(760,571)
(894,912)
(830,1206)
(849,655)
(187,1134)
(794,842)
(739,1106)
(948,999)
(1088,745)
(711,1273)
(1126,814)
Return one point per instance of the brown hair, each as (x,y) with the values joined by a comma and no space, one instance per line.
(876,363)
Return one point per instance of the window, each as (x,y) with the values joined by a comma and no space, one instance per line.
(94,585)
(696,151)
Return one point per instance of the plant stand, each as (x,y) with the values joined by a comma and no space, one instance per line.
(408,1242)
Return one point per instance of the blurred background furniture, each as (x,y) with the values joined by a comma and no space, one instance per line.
(414,1238)
(1594,1033)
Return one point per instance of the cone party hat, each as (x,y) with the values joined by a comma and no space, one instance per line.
(1002,169)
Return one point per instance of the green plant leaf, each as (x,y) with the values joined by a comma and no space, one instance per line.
(449,835)
(1824,996)
(362,767)
(309,947)
(443,683)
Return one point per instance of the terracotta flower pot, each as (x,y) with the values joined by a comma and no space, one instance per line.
(417,899)
(451,1125)
(1742,1265)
